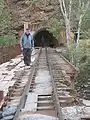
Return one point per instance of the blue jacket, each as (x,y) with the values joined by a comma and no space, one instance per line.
(27,41)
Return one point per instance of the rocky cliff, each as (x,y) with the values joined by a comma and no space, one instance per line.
(31,11)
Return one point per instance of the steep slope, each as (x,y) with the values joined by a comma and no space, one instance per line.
(32,12)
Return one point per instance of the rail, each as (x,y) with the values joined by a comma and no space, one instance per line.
(48,58)
(26,90)
(58,107)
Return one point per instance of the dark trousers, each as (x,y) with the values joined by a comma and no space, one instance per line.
(27,56)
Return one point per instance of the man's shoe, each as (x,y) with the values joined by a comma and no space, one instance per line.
(31,64)
(28,65)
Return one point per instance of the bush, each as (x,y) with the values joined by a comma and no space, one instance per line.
(8,40)
(81,58)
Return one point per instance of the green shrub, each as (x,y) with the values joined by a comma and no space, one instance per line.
(81,58)
(8,40)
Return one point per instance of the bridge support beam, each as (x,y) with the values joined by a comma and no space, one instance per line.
(25,26)
(72,82)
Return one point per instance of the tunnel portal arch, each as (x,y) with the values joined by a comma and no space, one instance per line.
(44,38)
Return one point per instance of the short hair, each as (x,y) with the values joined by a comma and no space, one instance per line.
(27,29)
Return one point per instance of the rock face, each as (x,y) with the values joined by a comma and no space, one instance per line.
(87,90)
(31,12)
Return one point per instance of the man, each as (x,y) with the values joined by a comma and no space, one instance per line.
(27,45)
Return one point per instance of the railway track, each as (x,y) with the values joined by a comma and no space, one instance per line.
(45,89)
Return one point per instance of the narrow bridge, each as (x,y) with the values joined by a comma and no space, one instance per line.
(45,89)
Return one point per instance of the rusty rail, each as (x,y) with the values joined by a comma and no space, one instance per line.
(71,65)
(74,69)
(55,95)
(27,87)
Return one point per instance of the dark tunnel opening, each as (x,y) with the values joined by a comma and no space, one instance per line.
(43,38)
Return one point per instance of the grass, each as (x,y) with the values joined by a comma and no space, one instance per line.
(8,40)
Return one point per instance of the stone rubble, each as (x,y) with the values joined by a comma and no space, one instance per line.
(8,117)
(75,112)
(9,110)
(8,113)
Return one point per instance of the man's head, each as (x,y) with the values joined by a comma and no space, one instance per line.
(27,31)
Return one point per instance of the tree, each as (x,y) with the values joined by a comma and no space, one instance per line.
(6,32)
(82,10)
(79,10)
(66,14)
(5,19)
(85,28)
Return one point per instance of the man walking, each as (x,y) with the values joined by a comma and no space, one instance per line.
(27,45)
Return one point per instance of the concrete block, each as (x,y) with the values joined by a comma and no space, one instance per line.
(32,98)
(30,107)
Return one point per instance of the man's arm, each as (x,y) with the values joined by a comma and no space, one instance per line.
(32,42)
(21,42)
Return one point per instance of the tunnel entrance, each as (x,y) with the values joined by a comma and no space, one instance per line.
(43,38)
